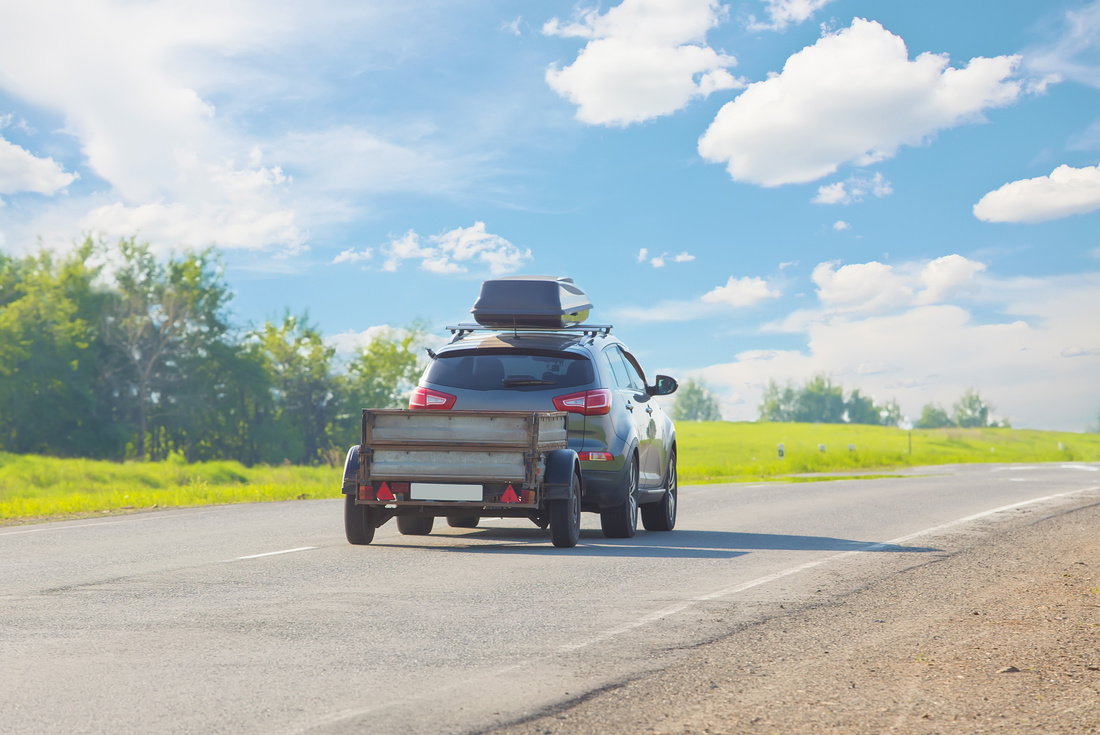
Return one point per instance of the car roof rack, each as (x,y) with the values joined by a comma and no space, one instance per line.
(585,330)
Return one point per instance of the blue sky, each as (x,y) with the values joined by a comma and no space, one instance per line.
(905,196)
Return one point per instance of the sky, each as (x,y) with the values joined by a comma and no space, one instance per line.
(904,197)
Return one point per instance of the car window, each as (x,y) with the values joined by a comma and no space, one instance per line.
(509,370)
(620,369)
(637,380)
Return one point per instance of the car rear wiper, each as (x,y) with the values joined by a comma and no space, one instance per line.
(525,381)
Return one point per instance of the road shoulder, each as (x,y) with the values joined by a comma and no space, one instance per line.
(1002,635)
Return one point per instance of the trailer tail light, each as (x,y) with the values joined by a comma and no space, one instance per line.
(596,456)
(587,402)
(509,495)
(426,398)
(366,492)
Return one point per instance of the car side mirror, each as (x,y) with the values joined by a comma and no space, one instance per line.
(663,385)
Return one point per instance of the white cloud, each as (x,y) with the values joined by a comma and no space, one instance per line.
(876,287)
(643,59)
(853,97)
(1073,55)
(1065,192)
(741,292)
(853,190)
(659,261)
(453,251)
(785,12)
(1036,362)
(351,255)
(840,225)
(21,170)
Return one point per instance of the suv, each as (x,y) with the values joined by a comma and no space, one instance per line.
(625,442)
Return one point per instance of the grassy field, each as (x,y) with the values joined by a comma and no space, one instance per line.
(39,487)
(34,487)
(737,452)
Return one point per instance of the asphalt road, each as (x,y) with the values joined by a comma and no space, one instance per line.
(262,619)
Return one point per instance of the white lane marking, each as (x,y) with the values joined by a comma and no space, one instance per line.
(726,592)
(1085,467)
(59,527)
(274,553)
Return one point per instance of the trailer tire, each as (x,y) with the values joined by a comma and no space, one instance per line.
(415,525)
(621,521)
(565,517)
(358,522)
(463,521)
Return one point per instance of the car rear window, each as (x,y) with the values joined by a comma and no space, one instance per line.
(510,370)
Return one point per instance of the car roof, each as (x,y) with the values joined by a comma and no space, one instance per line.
(540,340)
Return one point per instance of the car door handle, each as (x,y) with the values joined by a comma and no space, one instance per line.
(630,406)
(649,409)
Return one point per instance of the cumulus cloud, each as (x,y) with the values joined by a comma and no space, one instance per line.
(1065,192)
(782,13)
(841,226)
(1034,354)
(455,250)
(877,287)
(741,292)
(21,170)
(659,261)
(853,190)
(853,97)
(351,255)
(643,59)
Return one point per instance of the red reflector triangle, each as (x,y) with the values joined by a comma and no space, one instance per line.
(384,492)
(509,496)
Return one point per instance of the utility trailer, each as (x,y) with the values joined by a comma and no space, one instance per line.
(417,465)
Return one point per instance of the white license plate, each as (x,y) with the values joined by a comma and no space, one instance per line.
(441,491)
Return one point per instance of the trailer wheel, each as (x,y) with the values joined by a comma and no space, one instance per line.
(621,521)
(415,525)
(463,521)
(358,523)
(565,517)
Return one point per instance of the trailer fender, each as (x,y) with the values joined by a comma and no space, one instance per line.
(561,465)
(351,471)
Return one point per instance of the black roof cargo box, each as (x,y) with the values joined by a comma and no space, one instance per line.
(546,302)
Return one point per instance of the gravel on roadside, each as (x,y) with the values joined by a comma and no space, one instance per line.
(1000,636)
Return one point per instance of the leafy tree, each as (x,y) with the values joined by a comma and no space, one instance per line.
(694,402)
(299,368)
(779,404)
(933,417)
(971,411)
(861,409)
(820,401)
(163,319)
(889,413)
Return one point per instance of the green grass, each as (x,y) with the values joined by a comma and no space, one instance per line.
(736,452)
(33,487)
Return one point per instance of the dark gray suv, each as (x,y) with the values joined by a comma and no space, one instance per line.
(624,440)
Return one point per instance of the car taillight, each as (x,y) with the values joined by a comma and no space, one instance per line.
(587,402)
(431,399)
(596,456)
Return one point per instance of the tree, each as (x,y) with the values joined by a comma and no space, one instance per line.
(299,368)
(933,417)
(694,402)
(860,409)
(163,319)
(778,404)
(889,413)
(820,402)
(971,411)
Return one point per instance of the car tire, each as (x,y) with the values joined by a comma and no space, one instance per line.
(415,525)
(565,517)
(463,521)
(661,516)
(621,521)
(358,522)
